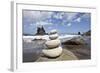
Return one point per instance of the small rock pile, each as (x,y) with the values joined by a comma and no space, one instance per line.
(53,45)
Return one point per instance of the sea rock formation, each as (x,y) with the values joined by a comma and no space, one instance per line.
(40,30)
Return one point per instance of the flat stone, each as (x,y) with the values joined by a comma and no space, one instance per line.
(65,56)
(53,36)
(52,43)
(52,52)
(53,31)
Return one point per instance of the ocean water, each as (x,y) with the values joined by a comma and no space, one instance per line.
(61,36)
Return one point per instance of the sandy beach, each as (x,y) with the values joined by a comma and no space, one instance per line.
(32,51)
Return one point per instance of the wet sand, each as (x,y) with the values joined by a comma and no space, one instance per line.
(82,51)
(32,50)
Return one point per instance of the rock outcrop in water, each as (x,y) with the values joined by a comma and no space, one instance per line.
(88,33)
(40,31)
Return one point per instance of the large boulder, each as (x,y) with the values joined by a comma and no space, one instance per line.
(52,43)
(53,36)
(52,52)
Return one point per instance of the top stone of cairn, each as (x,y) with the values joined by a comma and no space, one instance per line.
(53,34)
(53,31)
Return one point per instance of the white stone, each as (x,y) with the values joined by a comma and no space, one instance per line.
(53,36)
(53,31)
(52,52)
(52,43)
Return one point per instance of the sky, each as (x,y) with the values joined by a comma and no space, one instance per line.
(63,22)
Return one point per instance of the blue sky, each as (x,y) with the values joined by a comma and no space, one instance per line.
(63,22)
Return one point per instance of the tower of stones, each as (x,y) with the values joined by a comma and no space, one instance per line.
(53,45)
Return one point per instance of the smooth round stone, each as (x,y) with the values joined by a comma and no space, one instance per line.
(53,36)
(53,31)
(52,52)
(52,43)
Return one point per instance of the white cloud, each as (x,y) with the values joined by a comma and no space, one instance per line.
(44,18)
(59,15)
(35,16)
(65,16)
(69,24)
(78,19)
(70,16)
(43,23)
(87,15)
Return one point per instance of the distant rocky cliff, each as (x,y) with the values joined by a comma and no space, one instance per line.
(40,31)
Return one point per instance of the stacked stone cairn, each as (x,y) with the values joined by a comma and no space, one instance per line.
(53,45)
